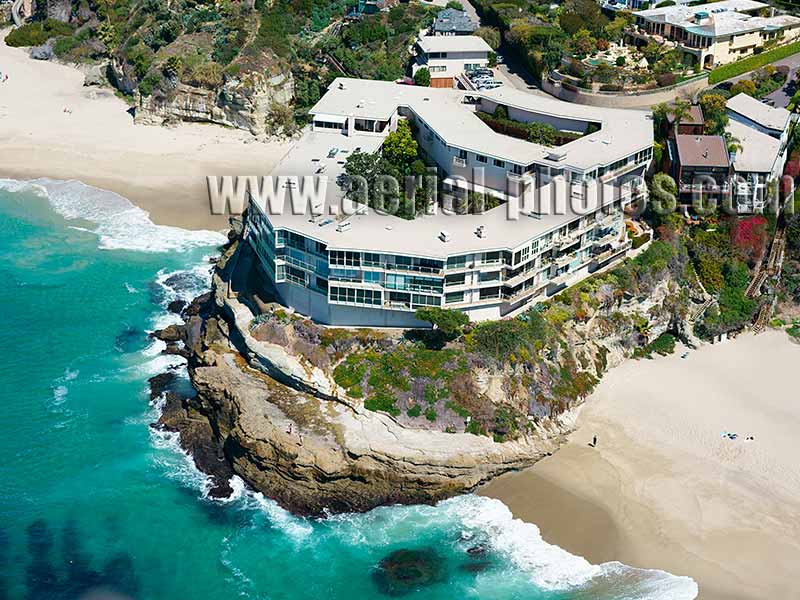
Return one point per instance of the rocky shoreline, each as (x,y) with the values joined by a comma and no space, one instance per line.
(292,434)
(270,414)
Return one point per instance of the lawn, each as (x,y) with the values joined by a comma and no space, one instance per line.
(751,63)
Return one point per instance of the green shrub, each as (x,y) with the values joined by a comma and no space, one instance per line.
(640,240)
(430,414)
(149,83)
(414,411)
(752,62)
(64,45)
(663,345)
(37,33)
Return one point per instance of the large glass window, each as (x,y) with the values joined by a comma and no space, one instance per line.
(454,297)
(355,296)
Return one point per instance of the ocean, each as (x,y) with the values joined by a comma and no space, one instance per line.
(94,501)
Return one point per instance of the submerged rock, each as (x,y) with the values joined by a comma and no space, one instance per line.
(406,571)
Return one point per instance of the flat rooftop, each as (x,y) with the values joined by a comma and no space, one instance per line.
(622,132)
(767,116)
(759,151)
(372,231)
(453,43)
(719,18)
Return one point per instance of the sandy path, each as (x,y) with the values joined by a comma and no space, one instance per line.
(664,489)
(162,170)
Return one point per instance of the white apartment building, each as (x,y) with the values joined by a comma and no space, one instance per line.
(716,33)
(447,56)
(561,217)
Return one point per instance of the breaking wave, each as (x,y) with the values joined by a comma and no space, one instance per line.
(119,224)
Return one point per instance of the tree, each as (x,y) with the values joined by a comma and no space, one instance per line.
(400,147)
(620,62)
(745,86)
(490,35)
(455,5)
(422,77)
(714,112)
(583,42)
(663,194)
(449,322)
(617,26)
(582,14)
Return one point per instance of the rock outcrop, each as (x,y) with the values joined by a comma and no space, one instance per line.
(278,420)
(242,102)
(292,434)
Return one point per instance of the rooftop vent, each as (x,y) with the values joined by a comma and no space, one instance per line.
(557,155)
(444,236)
(341,85)
(344,226)
(705,153)
(481,231)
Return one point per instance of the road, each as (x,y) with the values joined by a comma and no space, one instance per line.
(781,96)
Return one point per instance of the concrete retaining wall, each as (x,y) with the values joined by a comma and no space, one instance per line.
(623,100)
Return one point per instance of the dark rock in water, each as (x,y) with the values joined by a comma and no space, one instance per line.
(197,305)
(161,383)
(130,340)
(406,571)
(171,333)
(198,439)
(185,281)
(176,306)
(478,550)
(476,566)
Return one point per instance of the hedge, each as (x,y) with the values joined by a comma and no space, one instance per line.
(752,62)
(640,241)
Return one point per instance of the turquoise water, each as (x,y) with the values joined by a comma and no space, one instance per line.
(92,499)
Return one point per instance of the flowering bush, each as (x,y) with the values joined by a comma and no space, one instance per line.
(749,238)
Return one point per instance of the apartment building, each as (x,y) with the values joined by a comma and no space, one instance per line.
(447,56)
(716,33)
(561,216)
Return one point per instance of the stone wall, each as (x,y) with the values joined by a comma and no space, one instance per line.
(644,99)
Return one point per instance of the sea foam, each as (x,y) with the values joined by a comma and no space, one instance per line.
(118,223)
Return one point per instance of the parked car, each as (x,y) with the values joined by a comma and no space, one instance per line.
(478,72)
(490,85)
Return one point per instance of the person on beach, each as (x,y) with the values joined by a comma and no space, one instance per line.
(594,441)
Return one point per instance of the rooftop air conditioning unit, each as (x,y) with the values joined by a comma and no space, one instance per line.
(342,227)
(481,231)
(444,236)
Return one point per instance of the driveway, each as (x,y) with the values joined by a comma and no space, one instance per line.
(782,96)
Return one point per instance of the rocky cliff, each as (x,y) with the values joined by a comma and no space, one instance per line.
(269,409)
(243,102)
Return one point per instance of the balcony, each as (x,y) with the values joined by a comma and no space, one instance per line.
(615,250)
(459,162)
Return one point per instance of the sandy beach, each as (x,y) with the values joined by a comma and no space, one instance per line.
(162,170)
(664,489)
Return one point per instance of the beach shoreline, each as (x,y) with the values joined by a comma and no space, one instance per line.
(663,489)
(161,170)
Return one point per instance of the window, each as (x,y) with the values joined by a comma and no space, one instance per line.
(462,154)
(492,276)
(481,158)
(489,293)
(491,257)
(516,169)
(455,279)
(345,259)
(454,297)
(457,262)
(372,277)
(420,300)
(355,296)
(345,275)
(371,260)
(499,163)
